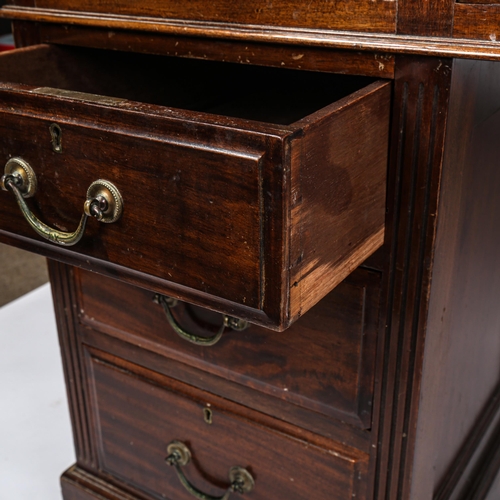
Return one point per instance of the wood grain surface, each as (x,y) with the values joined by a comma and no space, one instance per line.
(78,484)
(417,148)
(135,422)
(360,15)
(432,378)
(28,22)
(330,167)
(324,363)
(477,20)
(256,53)
(203,169)
(63,293)
(425,17)
(462,344)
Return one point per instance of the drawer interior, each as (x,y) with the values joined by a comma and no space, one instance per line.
(272,95)
(252,191)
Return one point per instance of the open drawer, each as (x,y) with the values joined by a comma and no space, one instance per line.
(252,191)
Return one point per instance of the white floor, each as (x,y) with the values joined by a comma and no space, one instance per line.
(36,444)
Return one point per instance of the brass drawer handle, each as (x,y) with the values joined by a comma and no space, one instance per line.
(103,202)
(227,322)
(241,481)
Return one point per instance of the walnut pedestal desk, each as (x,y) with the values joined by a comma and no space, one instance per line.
(274,245)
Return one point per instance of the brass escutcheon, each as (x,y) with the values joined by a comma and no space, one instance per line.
(208,415)
(23,176)
(103,202)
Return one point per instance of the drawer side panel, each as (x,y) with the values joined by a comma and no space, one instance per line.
(339,171)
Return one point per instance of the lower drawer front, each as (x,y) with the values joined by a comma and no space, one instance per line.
(323,364)
(138,413)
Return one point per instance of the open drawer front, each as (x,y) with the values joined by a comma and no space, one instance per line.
(252,191)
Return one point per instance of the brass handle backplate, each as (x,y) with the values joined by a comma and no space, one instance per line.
(103,202)
(240,480)
(227,322)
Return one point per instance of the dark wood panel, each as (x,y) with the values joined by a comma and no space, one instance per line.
(163,195)
(357,15)
(203,169)
(244,52)
(5,26)
(63,292)
(425,17)
(79,484)
(476,464)
(24,3)
(324,362)
(435,46)
(417,142)
(86,486)
(462,346)
(477,21)
(136,418)
(292,418)
(419,116)
(25,33)
(473,2)
(329,188)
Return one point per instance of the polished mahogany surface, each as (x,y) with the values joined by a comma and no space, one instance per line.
(350,153)
(243,194)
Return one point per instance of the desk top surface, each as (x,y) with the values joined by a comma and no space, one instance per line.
(444,28)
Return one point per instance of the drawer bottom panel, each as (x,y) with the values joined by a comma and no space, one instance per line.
(137,413)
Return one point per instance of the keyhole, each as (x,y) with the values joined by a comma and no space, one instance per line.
(207,415)
(56,134)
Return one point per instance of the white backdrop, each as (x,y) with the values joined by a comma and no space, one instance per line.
(36,444)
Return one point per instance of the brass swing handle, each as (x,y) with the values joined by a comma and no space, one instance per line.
(241,481)
(103,202)
(227,322)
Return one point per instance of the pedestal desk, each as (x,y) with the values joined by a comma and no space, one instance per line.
(273,238)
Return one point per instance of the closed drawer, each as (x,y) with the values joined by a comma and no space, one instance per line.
(137,413)
(252,191)
(320,373)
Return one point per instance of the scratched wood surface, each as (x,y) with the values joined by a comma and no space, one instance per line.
(477,20)
(325,360)
(358,15)
(203,167)
(134,423)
